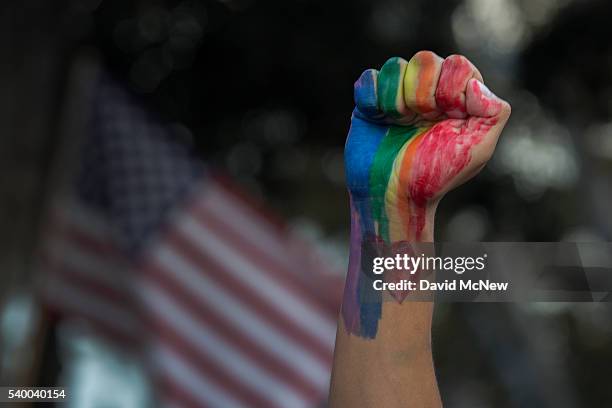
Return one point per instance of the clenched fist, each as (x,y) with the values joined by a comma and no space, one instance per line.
(419,129)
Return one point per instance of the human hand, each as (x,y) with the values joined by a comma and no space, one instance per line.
(419,129)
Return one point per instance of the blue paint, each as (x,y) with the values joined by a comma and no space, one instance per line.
(365,136)
(360,150)
(370,307)
(366,100)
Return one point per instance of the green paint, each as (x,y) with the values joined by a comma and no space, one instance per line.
(390,82)
(391,144)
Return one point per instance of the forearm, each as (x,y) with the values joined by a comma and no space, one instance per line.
(389,365)
(393,370)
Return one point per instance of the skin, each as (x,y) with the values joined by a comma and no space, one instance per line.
(419,129)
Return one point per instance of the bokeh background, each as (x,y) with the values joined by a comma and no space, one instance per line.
(264,91)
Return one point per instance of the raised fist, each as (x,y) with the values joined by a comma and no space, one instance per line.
(419,129)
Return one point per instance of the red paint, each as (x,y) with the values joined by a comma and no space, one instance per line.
(480,101)
(446,148)
(442,153)
(450,93)
(398,275)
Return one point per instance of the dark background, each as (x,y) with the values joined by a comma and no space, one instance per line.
(265,91)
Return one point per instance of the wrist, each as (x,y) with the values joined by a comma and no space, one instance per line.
(407,222)
(374,236)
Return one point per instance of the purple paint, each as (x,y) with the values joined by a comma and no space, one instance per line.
(350,304)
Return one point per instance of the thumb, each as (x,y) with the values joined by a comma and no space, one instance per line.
(481,102)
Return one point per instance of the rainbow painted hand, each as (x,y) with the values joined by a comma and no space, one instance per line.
(419,129)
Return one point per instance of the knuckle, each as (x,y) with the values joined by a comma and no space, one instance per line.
(425,55)
(457,59)
(365,78)
(394,60)
(365,90)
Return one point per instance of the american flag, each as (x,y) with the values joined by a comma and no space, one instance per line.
(227,307)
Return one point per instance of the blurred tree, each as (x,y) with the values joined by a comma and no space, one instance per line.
(569,68)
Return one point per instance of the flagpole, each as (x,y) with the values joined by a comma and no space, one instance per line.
(73,118)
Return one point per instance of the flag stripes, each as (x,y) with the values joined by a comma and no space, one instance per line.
(217,298)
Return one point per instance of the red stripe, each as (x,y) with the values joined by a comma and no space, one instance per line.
(202,363)
(75,233)
(91,243)
(101,290)
(64,275)
(62,226)
(247,200)
(214,271)
(105,330)
(237,194)
(199,309)
(174,391)
(277,271)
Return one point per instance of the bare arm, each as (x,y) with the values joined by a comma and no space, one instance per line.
(419,129)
